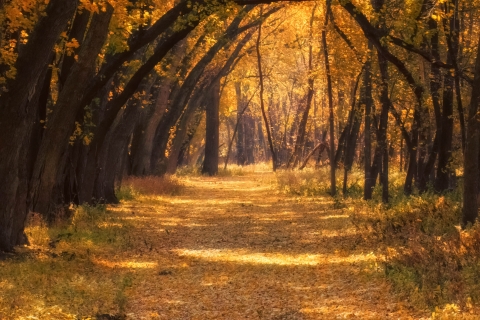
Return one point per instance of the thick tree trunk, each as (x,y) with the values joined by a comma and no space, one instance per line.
(16,120)
(117,144)
(79,27)
(181,143)
(446,135)
(46,189)
(141,163)
(351,133)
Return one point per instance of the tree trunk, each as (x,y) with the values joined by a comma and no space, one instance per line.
(300,141)
(16,120)
(141,162)
(241,158)
(446,135)
(181,133)
(116,145)
(212,138)
(471,159)
(382,130)
(333,187)
(249,138)
(262,103)
(367,84)
(46,189)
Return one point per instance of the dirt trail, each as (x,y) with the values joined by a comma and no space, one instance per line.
(233,248)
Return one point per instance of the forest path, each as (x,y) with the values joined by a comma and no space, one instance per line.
(235,248)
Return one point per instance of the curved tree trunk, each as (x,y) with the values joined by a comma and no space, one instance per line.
(16,119)
(49,166)
(141,161)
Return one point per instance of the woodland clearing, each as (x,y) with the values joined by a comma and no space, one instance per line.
(228,247)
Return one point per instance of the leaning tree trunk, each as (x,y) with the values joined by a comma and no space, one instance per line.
(181,98)
(117,144)
(16,120)
(181,133)
(46,181)
(141,159)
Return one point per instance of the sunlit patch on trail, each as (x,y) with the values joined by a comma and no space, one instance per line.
(243,256)
(334,216)
(127,264)
(110,225)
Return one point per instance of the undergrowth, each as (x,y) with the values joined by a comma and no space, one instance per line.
(132,187)
(232,170)
(57,276)
(427,258)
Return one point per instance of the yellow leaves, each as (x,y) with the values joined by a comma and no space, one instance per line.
(71,46)
(87,140)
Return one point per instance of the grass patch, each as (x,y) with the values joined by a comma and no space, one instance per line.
(57,276)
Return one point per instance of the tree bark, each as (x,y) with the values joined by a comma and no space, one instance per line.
(45,190)
(143,151)
(212,138)
(116,145)
(240,126)
(471,159)
(367,84)
(16,120)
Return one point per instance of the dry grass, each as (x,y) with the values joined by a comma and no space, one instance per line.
(425,256)
(58,276)
(149,186)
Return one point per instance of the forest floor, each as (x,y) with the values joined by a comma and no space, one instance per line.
(235,248)
(223,248)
